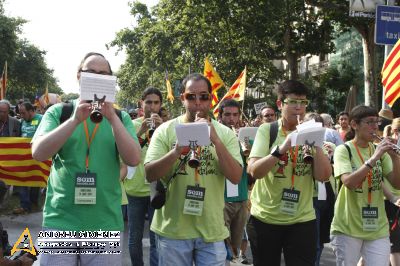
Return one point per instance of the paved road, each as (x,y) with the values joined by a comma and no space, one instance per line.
(15,225)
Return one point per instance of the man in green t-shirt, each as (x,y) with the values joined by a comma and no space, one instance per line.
(190,226)
(282,213)
(30,123)
(235,211)
(84,192)
(136,186)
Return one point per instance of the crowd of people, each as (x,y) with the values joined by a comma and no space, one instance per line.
(289,199)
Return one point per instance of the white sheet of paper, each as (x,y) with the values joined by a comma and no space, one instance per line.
(321,191)
(101,85)
(198,133)
(310,132)
(232,190)
(131,172)
(247,132)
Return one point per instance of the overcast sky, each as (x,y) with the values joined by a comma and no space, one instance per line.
(67,30)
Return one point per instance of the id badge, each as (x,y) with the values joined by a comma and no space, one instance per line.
(370,218)
(85,188)
(194,200)
(290,201)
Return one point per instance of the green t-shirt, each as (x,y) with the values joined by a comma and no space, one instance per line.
(60,212)
(170,221)
(267,192)
(242,187)
(349,203)
(28,129)
(138,186)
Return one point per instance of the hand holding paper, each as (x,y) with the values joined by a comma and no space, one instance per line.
(309,133)
(193,134)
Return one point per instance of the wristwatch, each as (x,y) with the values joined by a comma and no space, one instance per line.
(275,152)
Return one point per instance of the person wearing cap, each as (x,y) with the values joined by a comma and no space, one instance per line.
(385,118)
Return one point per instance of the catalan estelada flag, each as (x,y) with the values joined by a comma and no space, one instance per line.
(391,75)
(235,92)
(17,167)
(215,80)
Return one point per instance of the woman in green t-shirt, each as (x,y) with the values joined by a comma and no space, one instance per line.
(360,227)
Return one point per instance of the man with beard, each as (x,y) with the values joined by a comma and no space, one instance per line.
(197,236)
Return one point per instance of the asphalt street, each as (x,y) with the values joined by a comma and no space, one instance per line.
(15,225)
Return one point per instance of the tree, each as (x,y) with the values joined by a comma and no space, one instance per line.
(29,75)
(69,97)
(337,12)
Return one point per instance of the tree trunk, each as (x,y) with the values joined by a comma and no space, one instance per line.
(370,80)
(291,57)
(293,66)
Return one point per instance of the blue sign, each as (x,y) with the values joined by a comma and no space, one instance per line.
(387,24)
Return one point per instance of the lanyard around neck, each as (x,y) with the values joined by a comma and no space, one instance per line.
(89,141)
(369,175)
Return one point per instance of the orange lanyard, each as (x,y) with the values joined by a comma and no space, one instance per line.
(196,170)
(294,155)
(369,175)
(89,141)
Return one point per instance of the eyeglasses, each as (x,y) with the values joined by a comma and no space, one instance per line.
(96,72)
(193,96)
(295,102)
(372,122)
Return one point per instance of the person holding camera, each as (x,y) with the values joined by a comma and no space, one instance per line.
(136,186)
(282,214)
(190,226)
(83,192)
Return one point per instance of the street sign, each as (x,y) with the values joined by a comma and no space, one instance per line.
(364,8)
(259,106)
(387,24)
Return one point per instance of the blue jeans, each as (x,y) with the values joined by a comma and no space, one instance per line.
(137,209)
(27,196)
(184,252)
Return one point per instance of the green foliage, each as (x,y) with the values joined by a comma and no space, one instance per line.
(329,90)
(69,97)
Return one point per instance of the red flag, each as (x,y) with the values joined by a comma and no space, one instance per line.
(17,167)
(391,75)
(3,82)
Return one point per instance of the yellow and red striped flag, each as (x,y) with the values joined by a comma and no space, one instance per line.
(235,92)
(214,78)
(391,75)
(170,94)
(17,167)
(3,82)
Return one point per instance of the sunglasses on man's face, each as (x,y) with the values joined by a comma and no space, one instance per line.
(194,96)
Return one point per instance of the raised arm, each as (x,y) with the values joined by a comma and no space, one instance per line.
(46,146)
